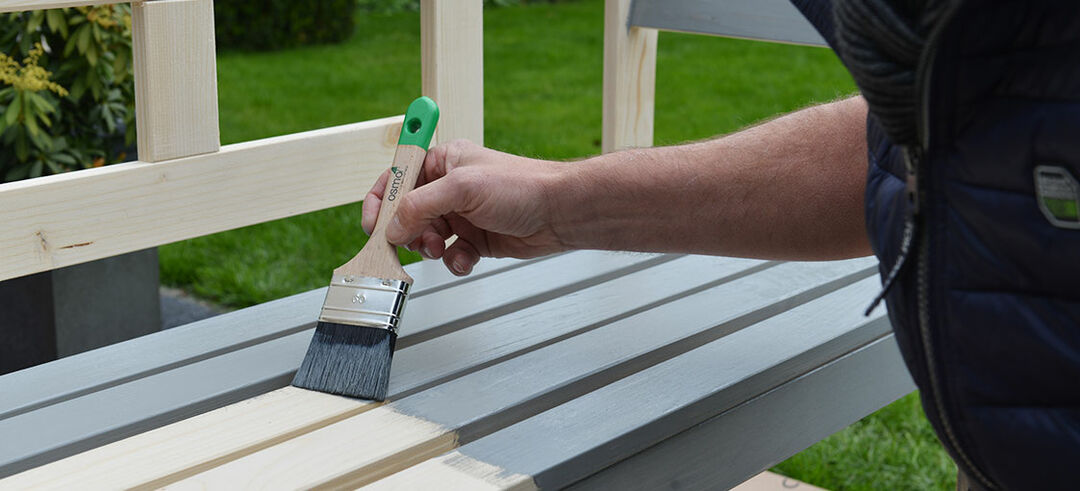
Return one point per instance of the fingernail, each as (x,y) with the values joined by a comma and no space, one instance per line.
(459,266)
(426,252)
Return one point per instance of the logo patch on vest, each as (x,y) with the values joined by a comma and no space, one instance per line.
(1059,196)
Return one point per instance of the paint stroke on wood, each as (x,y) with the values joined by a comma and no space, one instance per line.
(767,20)
(500,395)
(176,103)
(79,216)
(575,439)
(629,80)
(453,471)
(270,365)
(452,52)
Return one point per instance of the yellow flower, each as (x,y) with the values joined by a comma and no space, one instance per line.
(28,75)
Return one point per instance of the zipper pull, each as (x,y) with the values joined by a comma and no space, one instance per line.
(911,160)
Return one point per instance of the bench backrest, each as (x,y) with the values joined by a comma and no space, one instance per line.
(186,184)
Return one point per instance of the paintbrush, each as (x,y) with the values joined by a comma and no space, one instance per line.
(353,345)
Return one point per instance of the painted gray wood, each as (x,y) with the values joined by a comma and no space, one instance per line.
(169,395)
(598,429)
(767,20)
(732,446)
(87,372)
(486,400)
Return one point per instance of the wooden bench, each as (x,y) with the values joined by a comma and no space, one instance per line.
(585,369)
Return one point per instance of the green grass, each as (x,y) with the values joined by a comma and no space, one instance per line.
(542,99)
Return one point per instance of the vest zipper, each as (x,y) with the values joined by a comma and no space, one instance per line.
(914,163)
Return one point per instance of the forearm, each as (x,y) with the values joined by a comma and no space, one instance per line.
(791,188)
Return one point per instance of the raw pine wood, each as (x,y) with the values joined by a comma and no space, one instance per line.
(453,471)
(176,105)
(629,79)
(22,5)
(378,258)
(152,400)
(452,49)
(477,403)
(79,216)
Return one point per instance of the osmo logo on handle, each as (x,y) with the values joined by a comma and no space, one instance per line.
(396,175)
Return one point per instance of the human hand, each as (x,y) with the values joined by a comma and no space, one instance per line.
(498,205)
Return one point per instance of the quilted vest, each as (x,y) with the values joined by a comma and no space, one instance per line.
(986,308)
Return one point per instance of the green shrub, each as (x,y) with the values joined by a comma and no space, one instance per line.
(66,91)
(277,24)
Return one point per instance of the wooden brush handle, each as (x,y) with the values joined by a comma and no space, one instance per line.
(378,258)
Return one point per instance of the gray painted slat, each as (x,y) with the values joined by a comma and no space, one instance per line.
(75,375)
(768,20)
(486,400)
(737,444)
(84,373)
(89,421)
(573,440)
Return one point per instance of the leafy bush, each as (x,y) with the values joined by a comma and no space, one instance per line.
(277,24)
(66,91)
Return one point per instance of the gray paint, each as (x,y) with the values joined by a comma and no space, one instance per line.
(486,400)
(737,444)
(169,393)
(768,20)
(631,414)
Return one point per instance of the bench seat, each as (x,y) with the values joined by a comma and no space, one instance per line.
(591,369)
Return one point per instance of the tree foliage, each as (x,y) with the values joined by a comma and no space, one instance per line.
(66,89)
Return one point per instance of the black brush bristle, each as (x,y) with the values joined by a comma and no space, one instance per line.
(348,360)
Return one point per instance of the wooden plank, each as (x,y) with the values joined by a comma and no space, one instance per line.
(572,441)
(486,400)
(176,104)
(767,20)
(452,52)
(74,376)
(764,431)
(629,80)
(21,5)
(265,367)
(454,471)
(89,214)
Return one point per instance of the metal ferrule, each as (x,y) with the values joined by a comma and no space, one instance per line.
(368,302)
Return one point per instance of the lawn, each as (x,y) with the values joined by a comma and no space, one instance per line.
(542,99)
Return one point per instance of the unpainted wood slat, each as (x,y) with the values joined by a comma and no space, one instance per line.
(24,5)
(486,400)
(94,370)
(452,53)
(78,216)
(766,20)
(271,365)
(629,80)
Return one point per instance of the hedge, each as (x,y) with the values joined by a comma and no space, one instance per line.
(277,24)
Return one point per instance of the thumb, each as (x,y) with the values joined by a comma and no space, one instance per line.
(421,206)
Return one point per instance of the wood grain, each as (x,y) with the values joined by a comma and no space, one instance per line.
(378,258)
(176,104)
(106,415)
(502,394)
(453,471)
(70,218)
(629,79)
(452,49)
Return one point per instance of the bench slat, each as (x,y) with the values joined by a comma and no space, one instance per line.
(767,20)
(618,420)
(486,400)
(271,365)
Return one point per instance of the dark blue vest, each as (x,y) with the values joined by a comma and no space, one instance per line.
(987,308)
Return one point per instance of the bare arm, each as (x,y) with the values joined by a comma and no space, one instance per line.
(791,188)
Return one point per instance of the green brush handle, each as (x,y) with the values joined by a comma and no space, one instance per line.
(420,121)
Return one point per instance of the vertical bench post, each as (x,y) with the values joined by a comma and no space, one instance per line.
(452,52)
(176,107)
(629,79)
